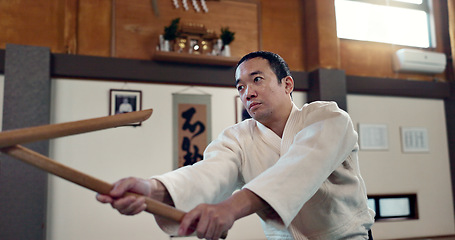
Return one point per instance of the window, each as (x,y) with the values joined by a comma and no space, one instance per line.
(401,22)
(398,207)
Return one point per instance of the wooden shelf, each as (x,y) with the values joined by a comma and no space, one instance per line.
(195,58)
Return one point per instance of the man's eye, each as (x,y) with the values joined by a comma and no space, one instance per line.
(239,88)
(256,79)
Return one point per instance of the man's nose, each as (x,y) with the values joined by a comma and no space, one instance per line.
(250,92)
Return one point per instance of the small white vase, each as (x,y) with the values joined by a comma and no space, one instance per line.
(166,46)
(226,51)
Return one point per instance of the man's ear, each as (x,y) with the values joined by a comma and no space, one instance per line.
(288,84)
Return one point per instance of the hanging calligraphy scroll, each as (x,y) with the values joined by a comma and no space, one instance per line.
(192,127)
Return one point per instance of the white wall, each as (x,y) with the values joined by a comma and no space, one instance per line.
(73,212)
(392,171)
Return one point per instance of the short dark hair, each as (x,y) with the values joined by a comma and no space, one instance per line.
(277,63)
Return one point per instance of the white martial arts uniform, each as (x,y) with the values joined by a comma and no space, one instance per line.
(310,176)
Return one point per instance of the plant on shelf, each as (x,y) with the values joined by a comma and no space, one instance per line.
(170,32)
(227,36)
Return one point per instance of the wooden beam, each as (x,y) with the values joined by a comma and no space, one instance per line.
(328,85)
(2,61)
(397,87)
(94,27)
(322,43)
(283,30)
(70,27)
(449,105)
(104,68)
(451,21)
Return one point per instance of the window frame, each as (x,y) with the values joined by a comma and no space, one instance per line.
(413,207)
(425,6)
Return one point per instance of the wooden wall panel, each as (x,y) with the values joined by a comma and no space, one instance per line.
(283,30)
(303,32)
(38,23)
(322,43)
(137,27)
(70,26)
(94,27)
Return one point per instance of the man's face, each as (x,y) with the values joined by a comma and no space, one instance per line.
(261,93)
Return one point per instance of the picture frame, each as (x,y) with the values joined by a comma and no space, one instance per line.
(414,140)
(373,137)
(240,112)
(394,207)
(123,101)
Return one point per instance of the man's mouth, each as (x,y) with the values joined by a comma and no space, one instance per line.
(253,104)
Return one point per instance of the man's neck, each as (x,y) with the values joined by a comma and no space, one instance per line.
(278,125)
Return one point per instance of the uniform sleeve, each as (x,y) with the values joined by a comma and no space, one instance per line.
(324,142)
(211,180)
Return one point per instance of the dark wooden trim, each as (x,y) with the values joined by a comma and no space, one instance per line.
(189,58)
(445,237)
(413,206)
(396,87)
(449,105)
(121,69)
(2,61)
(89,67)
(301,82)
(446,42)
(328,85)
(104,68)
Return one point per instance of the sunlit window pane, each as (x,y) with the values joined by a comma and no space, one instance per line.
(394,207)
(369,22)
(371,204)
(410,1)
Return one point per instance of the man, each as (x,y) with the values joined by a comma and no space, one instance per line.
(296,168)
(125,106)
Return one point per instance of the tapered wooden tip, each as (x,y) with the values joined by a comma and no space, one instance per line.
(32,134)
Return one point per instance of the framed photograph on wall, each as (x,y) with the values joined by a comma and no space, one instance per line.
(124,101)
(240,112)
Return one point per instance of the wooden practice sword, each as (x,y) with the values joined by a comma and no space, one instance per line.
(42,162)
(10,140)
(32,134)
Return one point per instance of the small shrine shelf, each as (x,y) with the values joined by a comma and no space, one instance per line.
(195,58)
